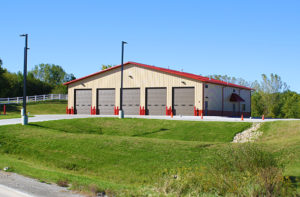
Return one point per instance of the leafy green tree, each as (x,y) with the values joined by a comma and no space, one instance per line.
(104,67)
(52,74)
(268,102)
(3,81)
(226,78)
(291,105)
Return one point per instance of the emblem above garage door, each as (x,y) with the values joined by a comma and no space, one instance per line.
(156,100)
(131,101)
(184,101)
(106,101)
(83,101)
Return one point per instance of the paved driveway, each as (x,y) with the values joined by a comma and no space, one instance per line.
(41,118)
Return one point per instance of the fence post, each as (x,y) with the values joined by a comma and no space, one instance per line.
(26,98)
(35,98)
(51,96)
(44,97)
(17,100)
(7,100)
(59,97)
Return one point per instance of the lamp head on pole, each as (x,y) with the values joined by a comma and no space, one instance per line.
(23,35)
(123,42)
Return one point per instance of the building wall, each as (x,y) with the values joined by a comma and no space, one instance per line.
(213,94)
(135,77)
(223,106)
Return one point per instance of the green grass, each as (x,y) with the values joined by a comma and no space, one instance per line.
(162,129)
(123,158)
(128,156)
(284,136)
(37,108)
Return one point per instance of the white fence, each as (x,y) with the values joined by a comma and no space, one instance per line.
(45,97)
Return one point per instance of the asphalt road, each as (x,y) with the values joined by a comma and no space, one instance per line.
(9,192)
(15,185)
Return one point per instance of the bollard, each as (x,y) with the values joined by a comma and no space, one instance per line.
(202,115)
(67,110)
(4,110)
(172,114)
(263,117)
(242,117)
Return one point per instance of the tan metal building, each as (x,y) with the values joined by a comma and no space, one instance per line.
(150,90)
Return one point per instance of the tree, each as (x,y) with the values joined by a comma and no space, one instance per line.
(69,77)
(291,105)
(52,74)
(226,78)
(104,67)
(3,82)
(268,100)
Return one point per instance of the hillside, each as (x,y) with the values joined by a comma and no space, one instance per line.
(133,156)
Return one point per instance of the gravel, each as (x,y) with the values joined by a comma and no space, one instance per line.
(33,187)
(249,135)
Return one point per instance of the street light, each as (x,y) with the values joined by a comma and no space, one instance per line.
(121,112)
(24,115)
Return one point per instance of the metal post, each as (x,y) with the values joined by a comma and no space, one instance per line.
(24,115)
(121,112)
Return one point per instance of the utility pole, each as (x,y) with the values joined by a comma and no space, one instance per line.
(121,112)
(24,115)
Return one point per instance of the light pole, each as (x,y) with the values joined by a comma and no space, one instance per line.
(121,112)
(24,115)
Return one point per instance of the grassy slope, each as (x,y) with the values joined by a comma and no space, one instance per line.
(163,129)
(46,107)
(85,151)
(284,136)
(128,154)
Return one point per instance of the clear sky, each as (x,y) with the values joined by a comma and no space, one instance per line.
(242,38)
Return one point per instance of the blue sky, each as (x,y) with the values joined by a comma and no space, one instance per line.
(238,38)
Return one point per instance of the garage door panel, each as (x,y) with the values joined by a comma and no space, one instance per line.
(131,101)
(156,100)
(183,101)
(106,101)
(83,101)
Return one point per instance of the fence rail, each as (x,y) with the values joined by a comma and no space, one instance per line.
(36,98)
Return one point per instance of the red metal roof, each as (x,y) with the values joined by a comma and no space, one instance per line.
(174,72)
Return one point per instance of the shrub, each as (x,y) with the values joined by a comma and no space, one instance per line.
(63,182)
(236,170)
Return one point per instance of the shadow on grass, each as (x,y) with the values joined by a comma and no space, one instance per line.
(10,108)
(295,180)
(149,133)
(68,131)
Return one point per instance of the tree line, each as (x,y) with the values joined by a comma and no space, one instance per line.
(43,79)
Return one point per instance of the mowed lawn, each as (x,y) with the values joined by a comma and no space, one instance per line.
(128,156)
(114,154)
(34,108)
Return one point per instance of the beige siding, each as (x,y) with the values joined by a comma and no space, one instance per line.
(246,95)
(135,77)
(213,94)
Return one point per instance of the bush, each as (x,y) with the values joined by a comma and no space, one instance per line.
(63,182)
(237,170)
